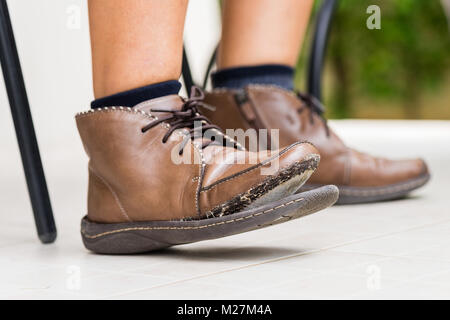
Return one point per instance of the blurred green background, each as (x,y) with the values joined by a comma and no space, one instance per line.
(399,72)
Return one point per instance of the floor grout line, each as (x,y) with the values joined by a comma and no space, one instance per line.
(400,256)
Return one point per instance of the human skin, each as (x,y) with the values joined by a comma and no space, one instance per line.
(139,42)
(135,43)
(258,32)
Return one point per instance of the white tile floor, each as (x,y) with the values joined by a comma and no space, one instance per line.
(398,249)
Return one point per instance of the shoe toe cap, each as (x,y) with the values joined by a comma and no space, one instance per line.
(223,182)
(371,171)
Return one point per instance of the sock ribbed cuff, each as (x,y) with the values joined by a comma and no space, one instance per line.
(133,97)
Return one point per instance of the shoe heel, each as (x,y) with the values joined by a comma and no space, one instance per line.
(107,241)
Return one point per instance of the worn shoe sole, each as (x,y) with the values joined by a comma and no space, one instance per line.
(355,195)
(139,237)
(275,187)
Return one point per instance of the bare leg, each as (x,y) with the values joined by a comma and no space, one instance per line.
(135,43)
(262,31)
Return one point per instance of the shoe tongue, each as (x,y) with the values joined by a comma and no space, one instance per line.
(171,102)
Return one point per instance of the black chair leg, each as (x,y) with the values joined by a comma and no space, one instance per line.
(318,49)
(186,72)
(26,136)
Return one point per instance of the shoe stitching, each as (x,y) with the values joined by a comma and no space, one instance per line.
(385,190)
(149,115)
(379,191)
(100,111)
(347,192)
(348,164)
(200,178)
(237,175)
(114,194)
(190,228)
(113,109)
(246,198)
(202,165)
(259,165)
(347,167)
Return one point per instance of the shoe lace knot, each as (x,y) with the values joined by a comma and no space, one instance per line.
(187,117)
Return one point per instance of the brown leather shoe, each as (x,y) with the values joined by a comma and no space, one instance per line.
(141,197)
(359,177)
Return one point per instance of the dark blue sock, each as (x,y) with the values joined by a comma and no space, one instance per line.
(239,77)
(133,97)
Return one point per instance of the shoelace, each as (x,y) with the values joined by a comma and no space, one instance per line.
(186,118)
(315,107)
